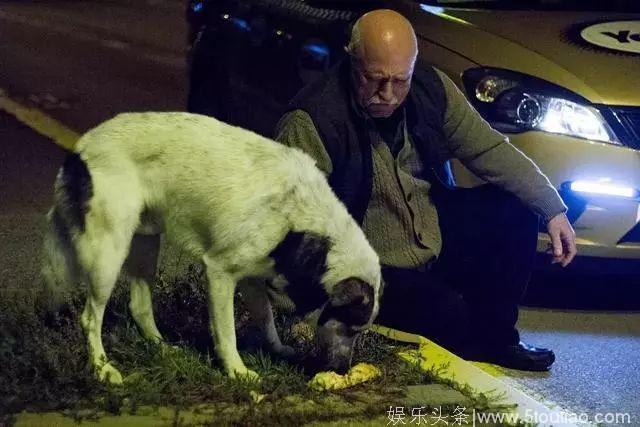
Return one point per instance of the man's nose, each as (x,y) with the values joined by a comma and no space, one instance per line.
(386,92)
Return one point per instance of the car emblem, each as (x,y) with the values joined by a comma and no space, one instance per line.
(621,37)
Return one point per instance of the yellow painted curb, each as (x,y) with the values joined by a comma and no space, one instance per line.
(451,368)
(40,122)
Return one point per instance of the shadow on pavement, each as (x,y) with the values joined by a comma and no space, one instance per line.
(601,285)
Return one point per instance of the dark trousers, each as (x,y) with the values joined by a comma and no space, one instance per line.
(469,296)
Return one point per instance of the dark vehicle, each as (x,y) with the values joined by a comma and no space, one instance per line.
(249,58)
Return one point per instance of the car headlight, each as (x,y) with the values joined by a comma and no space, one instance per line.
(514,102)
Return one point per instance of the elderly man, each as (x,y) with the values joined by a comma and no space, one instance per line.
(455,261)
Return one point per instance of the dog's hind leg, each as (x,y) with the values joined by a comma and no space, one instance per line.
(222,322)
(140,268)
(101,257)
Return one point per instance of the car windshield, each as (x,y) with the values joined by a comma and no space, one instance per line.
(573,5)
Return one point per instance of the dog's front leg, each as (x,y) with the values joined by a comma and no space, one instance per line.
(222,322)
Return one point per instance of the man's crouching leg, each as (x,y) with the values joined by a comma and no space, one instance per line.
(490,240)
(419,302)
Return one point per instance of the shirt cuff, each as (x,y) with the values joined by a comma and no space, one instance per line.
(549,207)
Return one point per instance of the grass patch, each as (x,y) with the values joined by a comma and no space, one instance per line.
(44,364)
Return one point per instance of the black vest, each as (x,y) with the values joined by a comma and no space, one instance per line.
(344,130)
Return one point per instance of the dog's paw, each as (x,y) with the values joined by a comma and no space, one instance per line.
(109,374)
(251,375)
(244,374)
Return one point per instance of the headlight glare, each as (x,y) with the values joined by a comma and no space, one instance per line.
(569,118)
(514,102)
(603,187)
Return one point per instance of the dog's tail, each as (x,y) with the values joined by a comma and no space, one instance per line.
(65,222)
(59,266)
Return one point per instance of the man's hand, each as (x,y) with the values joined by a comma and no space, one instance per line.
(563,239)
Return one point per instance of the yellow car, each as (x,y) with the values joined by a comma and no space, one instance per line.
(560,77)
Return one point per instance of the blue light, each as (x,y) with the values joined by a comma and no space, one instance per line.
(595,187)
(317,48)
(197,7)
(241,24)
(436,10)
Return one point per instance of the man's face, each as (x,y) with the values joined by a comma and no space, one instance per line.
(381,85)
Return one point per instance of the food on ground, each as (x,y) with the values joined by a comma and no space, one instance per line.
(357,374)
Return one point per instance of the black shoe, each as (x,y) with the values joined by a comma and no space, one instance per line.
(518,356)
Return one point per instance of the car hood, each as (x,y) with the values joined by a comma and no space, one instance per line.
(544,44)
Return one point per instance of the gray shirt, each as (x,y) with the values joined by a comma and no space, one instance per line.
(401,221)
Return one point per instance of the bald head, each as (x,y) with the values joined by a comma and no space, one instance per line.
(382,33)
(383,49)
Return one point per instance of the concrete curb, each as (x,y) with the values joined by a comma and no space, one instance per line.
(449,367)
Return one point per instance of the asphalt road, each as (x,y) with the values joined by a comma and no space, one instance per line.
(84,62)
(28,164)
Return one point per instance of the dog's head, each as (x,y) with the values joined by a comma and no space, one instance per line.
(349,311)
(347,306)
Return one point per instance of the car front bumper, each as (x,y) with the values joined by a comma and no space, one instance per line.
(607,226)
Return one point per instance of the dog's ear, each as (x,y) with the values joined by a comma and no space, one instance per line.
(301,257)
(351,302)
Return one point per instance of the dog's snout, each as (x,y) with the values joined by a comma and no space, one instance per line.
(340,366)
(335,345)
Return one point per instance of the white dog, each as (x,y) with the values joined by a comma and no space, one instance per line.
(243,204)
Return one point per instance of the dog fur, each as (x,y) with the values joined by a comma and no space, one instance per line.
(243,204)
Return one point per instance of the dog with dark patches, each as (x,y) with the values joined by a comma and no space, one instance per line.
(243,204)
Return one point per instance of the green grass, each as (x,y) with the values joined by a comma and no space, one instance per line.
(43,364)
